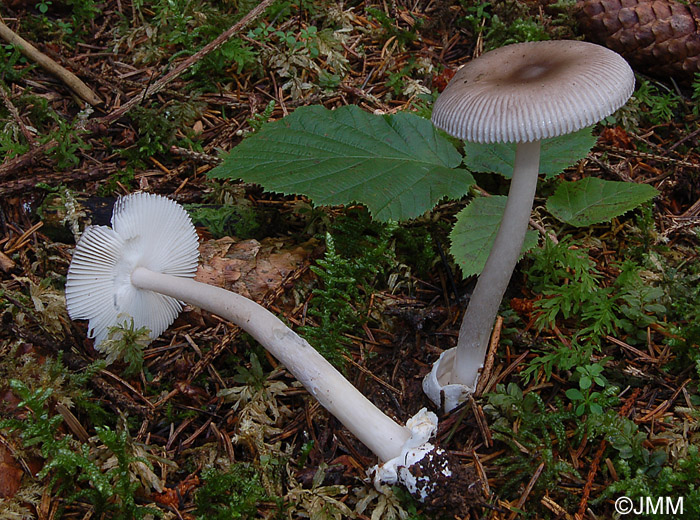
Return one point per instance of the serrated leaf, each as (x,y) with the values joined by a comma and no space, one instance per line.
(475,231)
(556,154)
(396,165)
(593,200)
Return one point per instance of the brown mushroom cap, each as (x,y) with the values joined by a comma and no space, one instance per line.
(531,91)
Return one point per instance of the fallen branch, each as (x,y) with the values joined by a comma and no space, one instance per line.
(18,162)
(71,80)
(181,67)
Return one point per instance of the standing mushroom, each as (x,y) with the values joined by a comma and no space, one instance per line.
(141,269)
(520,93)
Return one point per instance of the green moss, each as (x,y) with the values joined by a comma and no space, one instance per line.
(231,494)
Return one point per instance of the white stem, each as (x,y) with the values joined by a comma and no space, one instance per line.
(368,423)
(483,306)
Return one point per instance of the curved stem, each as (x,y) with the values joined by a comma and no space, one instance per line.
(483,306)
(368,423)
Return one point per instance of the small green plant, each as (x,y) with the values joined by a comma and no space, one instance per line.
(695,96)
(502,24)
(333,304)
(391,27)
(226,220)
(539,438)
(573,288)
(50,126)
(43,6)
(679,480)
(126,343)
(661,106)
(586,399)
(157,127)
(12,143)
(10,58)
(348,270)
(117,181)
(681,284)
(560,356)
(257,121)
(230,494)
(69,463)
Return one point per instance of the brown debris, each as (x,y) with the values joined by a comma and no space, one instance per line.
(446,474)
(10,474)
(249,267)
(31,52)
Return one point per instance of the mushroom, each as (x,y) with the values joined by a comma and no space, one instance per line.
(520,93)
(141,269)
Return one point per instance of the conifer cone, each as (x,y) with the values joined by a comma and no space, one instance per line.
(657,37)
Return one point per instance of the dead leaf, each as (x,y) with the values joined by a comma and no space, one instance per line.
(248,267)
(10,474)
(173,496)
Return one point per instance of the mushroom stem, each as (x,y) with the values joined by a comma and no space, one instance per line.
(483,306)
(370,425)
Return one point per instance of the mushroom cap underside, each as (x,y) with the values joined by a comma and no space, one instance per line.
(148,231)
(534,90)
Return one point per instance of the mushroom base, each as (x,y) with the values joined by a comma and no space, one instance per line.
(437,387)
(449,484)
(427,472)
(433,477)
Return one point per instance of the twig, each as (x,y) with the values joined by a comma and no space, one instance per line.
(71,80)
(490,356)
(645,155)
(15,186)
(526,493)
(21,161)
(199,157)
(181,67)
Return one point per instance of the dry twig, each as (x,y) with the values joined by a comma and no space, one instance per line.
(71,80)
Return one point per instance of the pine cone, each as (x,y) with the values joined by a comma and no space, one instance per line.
(658,37)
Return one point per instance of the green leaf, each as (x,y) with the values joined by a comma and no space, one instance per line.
(596,409)
(585,382)
(475,231)
(574,394)
(397,165)
(557,154)
(592,200)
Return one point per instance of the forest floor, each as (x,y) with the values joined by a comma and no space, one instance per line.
(593,392)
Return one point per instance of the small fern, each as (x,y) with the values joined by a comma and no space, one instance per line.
(532,442)
(356,256)
(72,468)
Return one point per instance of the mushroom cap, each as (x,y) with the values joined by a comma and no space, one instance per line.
(534,90)
(148,231)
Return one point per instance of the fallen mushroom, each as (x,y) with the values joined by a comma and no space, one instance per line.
(520,93)
(141,269)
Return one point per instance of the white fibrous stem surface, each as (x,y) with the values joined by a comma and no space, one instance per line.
(455,374)
(369,424)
